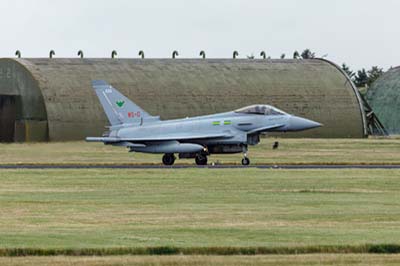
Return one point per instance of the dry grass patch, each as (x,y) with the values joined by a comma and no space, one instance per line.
(291,151)
(275,260)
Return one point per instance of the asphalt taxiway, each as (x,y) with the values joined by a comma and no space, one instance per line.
(137,166)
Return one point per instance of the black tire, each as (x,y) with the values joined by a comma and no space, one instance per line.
(168,159)
(201,160)
(245,161)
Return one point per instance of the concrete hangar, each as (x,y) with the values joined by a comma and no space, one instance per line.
(52,99)
(384,98)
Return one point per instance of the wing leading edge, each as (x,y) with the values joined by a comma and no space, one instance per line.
(161,138)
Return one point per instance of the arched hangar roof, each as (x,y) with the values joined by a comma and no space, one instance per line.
(384,98)
(54,99)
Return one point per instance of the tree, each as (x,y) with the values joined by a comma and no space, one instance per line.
(283,56)
(361,78)
(296,55)
(348,71)
(307,54)
(373,74)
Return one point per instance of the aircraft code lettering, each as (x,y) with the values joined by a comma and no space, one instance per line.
(134,114)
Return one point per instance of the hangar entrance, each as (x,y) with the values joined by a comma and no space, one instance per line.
(8,116)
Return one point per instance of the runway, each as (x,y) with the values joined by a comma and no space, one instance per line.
(137,166)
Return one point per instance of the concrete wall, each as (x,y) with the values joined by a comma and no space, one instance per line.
(315,89)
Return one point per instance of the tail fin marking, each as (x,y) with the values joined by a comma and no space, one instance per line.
(118,108)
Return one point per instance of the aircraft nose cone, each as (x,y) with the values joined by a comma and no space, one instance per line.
(298,123)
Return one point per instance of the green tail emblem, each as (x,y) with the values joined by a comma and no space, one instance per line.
(120,103)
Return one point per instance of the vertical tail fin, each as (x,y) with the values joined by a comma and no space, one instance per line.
(118,108)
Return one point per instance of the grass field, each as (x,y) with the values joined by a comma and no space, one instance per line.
(315,259)
(198,208)
(201,211)
(342,151)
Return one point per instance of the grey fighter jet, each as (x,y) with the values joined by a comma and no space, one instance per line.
(195,137)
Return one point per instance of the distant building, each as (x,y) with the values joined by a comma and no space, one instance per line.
(384,98)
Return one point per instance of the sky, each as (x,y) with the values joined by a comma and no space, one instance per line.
(361,33)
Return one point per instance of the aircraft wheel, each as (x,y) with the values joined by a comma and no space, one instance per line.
(245,161)
(168,159)
(201,159)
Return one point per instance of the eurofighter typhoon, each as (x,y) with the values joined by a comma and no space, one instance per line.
(195,137)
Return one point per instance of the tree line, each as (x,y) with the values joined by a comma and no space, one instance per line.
(362,78)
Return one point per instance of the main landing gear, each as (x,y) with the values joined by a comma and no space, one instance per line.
(168,159)
(201,159)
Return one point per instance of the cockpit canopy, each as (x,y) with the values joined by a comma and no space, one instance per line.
(260,110)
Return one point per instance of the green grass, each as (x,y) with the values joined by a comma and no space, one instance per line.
(315,259)
(219,251)
(291,151)
(198,208)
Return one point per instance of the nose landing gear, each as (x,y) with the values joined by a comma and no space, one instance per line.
(245,160)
